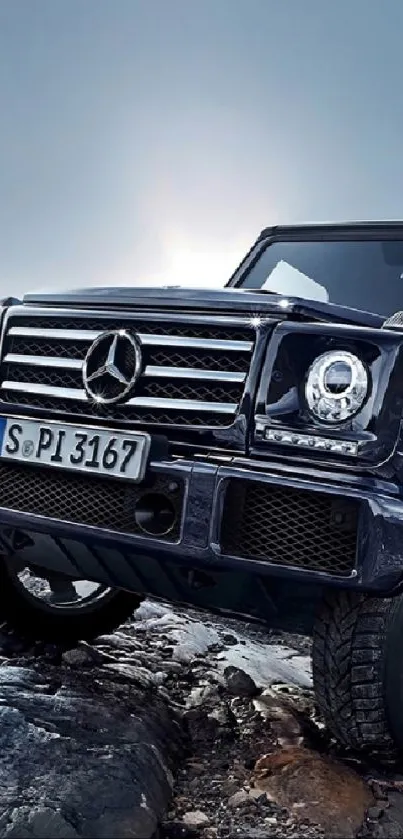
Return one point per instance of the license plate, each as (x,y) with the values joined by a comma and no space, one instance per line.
(100,451)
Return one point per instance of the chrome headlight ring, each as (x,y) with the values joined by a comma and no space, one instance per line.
(337,386)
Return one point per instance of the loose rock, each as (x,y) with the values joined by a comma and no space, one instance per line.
(195,819)
(238,799)
(239,683)
(315,787)
(83,655)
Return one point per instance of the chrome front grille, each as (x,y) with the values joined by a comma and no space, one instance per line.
(195,367)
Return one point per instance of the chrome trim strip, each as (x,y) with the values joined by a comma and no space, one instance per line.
(147,340)
(184,404)
(197,343)
(151,370)
(193,373)
(44,361)
(80,395)
(62,334)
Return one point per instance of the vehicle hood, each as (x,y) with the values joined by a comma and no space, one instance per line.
(221,301)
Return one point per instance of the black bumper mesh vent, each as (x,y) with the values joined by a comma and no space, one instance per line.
(82,499)
(285,526)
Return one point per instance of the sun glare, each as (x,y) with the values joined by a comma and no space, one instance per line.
(192,263)
(199,266)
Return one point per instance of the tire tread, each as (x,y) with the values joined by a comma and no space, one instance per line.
(349,644)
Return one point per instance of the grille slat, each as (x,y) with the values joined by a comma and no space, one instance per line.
(295,528)
(169,356)
(194,370)
(138,401)
(146,339)
(43,361)
(206,326)
(151,370)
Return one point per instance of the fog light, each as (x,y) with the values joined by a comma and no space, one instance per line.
(155,514)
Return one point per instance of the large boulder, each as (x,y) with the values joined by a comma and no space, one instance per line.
(86,748)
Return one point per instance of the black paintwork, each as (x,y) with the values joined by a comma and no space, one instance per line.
(288,339)
(339,230)
(220,301)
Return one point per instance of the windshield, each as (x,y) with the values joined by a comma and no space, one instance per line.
(366,275)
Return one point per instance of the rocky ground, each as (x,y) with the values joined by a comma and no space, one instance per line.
(178,726)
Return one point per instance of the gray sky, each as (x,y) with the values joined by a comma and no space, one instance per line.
(150,140)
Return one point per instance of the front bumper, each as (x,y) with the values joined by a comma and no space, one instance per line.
(211,538)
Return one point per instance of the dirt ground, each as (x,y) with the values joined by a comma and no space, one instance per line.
(254,760)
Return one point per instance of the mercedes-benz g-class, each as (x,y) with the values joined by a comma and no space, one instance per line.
(239,449)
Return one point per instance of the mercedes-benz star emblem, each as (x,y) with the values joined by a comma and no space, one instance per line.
(112,366)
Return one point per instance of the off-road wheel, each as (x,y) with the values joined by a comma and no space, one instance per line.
(40,606)
(358,670)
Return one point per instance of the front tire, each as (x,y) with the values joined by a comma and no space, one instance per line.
(358,670)
(36,618)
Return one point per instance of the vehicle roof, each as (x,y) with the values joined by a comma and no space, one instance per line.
(333,230)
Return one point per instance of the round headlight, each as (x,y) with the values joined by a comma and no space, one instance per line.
(336,387)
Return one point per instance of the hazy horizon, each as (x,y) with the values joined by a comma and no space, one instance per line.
(150,141)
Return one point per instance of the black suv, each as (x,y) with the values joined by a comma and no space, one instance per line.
(237,449)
